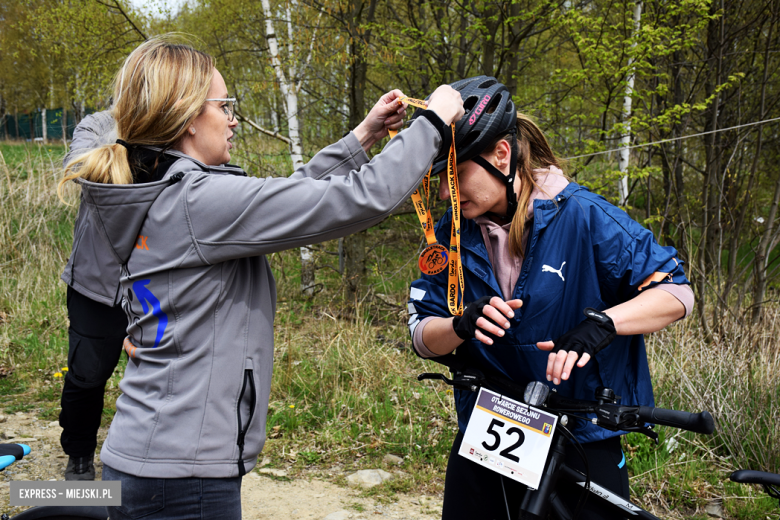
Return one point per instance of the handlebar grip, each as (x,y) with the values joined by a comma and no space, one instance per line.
(748,476)
(693,422)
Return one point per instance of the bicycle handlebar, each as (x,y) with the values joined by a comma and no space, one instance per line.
(609,415)
(10,453)
(749,476)
(701,422)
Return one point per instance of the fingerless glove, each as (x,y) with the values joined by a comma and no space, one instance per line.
(466,325)
(592,335)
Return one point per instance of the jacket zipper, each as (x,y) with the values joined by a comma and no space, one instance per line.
(242,429)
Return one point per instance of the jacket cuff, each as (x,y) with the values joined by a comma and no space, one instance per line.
(356,152)
(444,131)
(435,120)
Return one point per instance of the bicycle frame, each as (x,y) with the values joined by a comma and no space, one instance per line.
(538,503)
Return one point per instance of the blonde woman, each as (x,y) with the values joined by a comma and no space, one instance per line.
(190,232)
(537,250)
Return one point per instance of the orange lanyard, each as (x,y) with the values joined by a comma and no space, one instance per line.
(435,258)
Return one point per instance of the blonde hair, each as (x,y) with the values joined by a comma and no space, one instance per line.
(161,87)
(533,152)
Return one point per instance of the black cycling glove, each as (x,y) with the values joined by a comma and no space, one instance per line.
(590,336)
(466,325)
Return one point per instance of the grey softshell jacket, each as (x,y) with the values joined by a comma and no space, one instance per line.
(91,270)
(200,296)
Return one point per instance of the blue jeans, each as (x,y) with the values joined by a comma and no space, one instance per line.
(175,498)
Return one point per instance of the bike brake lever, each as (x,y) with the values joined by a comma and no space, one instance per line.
(644,430)
(464,381)
(431,375)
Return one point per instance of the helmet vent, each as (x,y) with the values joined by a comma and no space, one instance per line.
(488,83)
(493,104)
(470,102)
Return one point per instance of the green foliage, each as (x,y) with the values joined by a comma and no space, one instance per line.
(344,390)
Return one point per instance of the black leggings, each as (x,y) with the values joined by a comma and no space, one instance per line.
(473,491)
(95,341)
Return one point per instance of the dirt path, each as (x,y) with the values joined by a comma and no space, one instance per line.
(263,497)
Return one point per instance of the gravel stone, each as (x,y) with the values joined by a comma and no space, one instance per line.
(369,477)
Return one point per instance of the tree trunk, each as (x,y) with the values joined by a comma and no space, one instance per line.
(44,125)
(489,42)
(514,48)
(290,94)
(65,125)
(355,245)
(460,72)
(625,139)
(707,261)
(762,253)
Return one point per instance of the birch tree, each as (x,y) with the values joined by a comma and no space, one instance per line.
(625,139)
(290,83)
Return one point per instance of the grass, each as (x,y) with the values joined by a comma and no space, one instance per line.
(35,235)
(344,390)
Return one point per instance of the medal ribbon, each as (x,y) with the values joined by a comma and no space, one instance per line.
(455,282)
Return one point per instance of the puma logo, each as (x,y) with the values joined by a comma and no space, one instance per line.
(548,269)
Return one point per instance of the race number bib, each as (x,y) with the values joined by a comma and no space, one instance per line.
(509,437)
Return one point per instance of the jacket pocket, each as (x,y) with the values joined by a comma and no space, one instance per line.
(248,393)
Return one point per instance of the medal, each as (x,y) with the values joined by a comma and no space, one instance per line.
(433,259)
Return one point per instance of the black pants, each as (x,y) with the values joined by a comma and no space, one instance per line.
(95,341)
(473,491)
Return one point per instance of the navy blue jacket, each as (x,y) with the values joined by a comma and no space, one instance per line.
(608,256)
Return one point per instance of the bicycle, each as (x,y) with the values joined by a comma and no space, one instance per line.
(540,417)
(10,453)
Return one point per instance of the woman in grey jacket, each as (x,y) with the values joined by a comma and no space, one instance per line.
(190,233)
(97,322)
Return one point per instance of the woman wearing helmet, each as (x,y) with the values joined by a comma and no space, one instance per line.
(537,250)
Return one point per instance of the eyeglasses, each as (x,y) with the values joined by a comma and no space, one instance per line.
(229,108)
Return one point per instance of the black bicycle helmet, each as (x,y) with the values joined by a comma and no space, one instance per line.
(490,113)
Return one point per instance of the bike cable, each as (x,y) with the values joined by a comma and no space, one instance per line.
(506,502)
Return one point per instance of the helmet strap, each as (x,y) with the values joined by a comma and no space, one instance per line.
(508,180)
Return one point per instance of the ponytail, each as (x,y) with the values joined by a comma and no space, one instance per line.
(107,164)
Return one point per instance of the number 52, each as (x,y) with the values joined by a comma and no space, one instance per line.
(495,423)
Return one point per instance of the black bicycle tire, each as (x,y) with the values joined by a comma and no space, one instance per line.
(60,517)
(63,513)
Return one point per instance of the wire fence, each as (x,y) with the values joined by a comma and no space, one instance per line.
(49,124)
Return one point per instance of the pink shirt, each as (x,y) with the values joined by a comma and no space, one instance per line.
(507,267)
